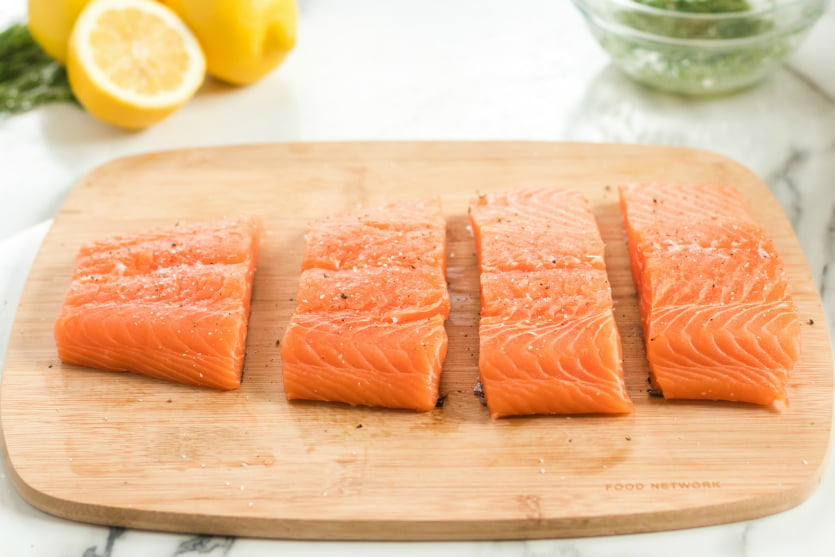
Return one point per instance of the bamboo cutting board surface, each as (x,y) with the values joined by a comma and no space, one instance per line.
(120,449)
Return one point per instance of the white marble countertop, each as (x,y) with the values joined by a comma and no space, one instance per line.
(435,69)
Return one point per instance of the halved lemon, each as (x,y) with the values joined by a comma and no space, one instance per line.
(133,62)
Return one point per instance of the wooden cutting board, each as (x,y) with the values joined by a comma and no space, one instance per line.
(120,449)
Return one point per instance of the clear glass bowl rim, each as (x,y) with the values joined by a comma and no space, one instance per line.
(776,6)
(594,16)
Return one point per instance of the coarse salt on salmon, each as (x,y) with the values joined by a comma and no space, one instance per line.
(368,328)
(716,306)
(171,303)
(548,343)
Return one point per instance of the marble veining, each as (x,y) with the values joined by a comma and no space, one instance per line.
(828,258)
(113,534)
(193,546)
(783,178)
(829,96)
(470,69)
(205,545)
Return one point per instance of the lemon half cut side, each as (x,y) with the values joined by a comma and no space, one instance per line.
(133,62)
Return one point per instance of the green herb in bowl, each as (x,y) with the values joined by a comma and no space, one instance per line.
(662,22)
(699,6)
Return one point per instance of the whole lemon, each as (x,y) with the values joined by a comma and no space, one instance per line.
(51,21)
(243,40)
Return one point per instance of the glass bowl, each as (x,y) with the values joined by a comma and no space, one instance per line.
(700,47)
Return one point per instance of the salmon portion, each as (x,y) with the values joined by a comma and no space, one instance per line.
(531,232)
(171,304)
(368,328)
(405,234)
(389,293)
(548,343)
(365,361)
(716,306)
(227,241)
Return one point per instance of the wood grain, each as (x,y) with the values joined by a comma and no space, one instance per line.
(120,449)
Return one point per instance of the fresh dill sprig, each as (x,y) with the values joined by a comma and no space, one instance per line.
(28,76)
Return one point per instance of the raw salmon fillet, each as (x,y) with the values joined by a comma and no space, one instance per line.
(368,328)
(548,343)
(715,301)
(171,303)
